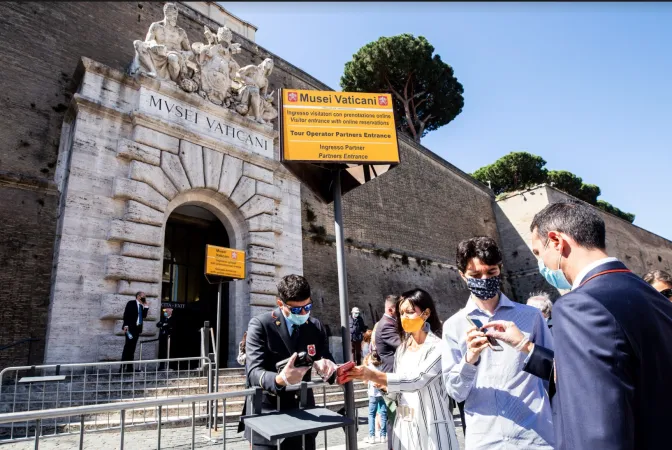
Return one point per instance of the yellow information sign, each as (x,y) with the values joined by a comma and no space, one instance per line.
(326,126)
(224,262)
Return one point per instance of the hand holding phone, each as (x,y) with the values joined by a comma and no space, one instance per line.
(343,370)
(492,342)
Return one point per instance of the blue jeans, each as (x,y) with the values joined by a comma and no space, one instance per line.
(377,404)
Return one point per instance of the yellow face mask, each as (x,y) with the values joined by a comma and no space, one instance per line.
(411,325)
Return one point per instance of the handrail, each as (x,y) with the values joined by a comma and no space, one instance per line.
(30,339)
(118,406)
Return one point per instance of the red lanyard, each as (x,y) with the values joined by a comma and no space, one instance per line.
(604,273)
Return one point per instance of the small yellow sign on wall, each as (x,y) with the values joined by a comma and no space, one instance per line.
(224,262)
(327,126)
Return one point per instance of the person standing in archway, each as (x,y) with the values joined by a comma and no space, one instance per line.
(134,314)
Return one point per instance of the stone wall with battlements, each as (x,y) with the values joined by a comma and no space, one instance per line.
(639,249)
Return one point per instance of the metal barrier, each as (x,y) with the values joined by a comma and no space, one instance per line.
(56,386)
(155,340)
(123,408)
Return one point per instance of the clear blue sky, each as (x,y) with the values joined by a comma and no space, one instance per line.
(587,86)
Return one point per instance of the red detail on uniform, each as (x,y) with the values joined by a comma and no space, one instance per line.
(382,101)
(273,315)
(292,97)
(311,350)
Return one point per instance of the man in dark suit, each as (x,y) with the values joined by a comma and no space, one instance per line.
(387,337)
(280,334)
(134,314)
(165,326)
(613,352)
(386,342)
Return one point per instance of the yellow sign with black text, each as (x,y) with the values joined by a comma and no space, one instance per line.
(224,262)
(327,126)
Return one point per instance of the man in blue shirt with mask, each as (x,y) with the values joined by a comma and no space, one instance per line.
(504,407)
(280,334)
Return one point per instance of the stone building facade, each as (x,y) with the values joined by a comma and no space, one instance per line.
(93,163)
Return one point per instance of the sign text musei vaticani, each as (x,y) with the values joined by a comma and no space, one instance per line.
(324,126)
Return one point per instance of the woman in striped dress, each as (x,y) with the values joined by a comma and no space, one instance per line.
(423,419)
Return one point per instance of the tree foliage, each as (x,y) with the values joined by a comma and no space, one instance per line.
(520,170)
(608,207)
(425,93)
(517,170)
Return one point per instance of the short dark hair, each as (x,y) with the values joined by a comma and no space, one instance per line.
(138,294)
(391,300)
(658,275)
(293,288)
(481,247)
(577,220)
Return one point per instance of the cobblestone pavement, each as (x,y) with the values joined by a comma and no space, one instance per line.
(180,439)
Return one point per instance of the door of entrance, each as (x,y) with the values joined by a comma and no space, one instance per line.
(184,287)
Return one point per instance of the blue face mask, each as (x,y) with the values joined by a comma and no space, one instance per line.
(297,319)
(555,278)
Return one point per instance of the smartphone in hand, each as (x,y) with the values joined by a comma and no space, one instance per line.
(343,370)
(494,345)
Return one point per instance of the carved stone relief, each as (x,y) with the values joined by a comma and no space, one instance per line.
(207,68)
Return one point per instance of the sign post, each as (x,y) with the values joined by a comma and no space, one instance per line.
(334,142)
(227,264)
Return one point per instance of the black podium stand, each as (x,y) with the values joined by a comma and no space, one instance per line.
(294,422)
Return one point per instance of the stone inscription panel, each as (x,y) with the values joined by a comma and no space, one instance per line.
(208,124)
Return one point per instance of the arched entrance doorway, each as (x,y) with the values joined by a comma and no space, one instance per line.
(184,287)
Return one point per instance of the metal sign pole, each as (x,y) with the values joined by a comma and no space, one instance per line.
(219,332)
(351,430)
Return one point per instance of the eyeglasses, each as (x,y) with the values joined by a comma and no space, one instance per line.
(667,293)
(297,309)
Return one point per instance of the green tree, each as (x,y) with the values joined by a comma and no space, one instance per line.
(517,170)
(608,207)
(425,93)
(565,181)
(589,193)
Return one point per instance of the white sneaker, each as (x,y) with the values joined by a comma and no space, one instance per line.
(383,440)
(370,440)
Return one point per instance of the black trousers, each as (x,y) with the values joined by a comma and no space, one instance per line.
(356,352)
(129,347)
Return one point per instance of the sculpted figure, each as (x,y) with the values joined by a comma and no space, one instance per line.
(165,53)
(252,86)
(216,65)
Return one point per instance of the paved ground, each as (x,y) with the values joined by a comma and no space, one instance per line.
(180,439)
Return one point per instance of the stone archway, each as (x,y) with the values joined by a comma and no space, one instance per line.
(127,161)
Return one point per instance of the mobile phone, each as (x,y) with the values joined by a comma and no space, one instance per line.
(342,371)
(302,360)
(492,341)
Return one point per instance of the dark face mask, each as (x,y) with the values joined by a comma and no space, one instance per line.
(486,288)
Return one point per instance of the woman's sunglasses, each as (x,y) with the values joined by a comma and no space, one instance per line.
(667,293)
(297,309)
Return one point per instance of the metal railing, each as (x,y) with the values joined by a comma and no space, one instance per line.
(63,386)
(158,405)
(154,340)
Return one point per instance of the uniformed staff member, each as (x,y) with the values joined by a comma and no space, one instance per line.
(280,334)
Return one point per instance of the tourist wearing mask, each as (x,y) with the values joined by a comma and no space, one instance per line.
(357,330)
(504,406)
(661,281)
(542,301)
(423,420)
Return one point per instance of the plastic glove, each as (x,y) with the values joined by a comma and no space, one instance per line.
(325,368)
(291,374)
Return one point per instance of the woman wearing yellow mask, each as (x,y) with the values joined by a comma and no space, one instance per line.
(423,420)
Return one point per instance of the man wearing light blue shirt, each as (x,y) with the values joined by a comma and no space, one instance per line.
(505,407)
